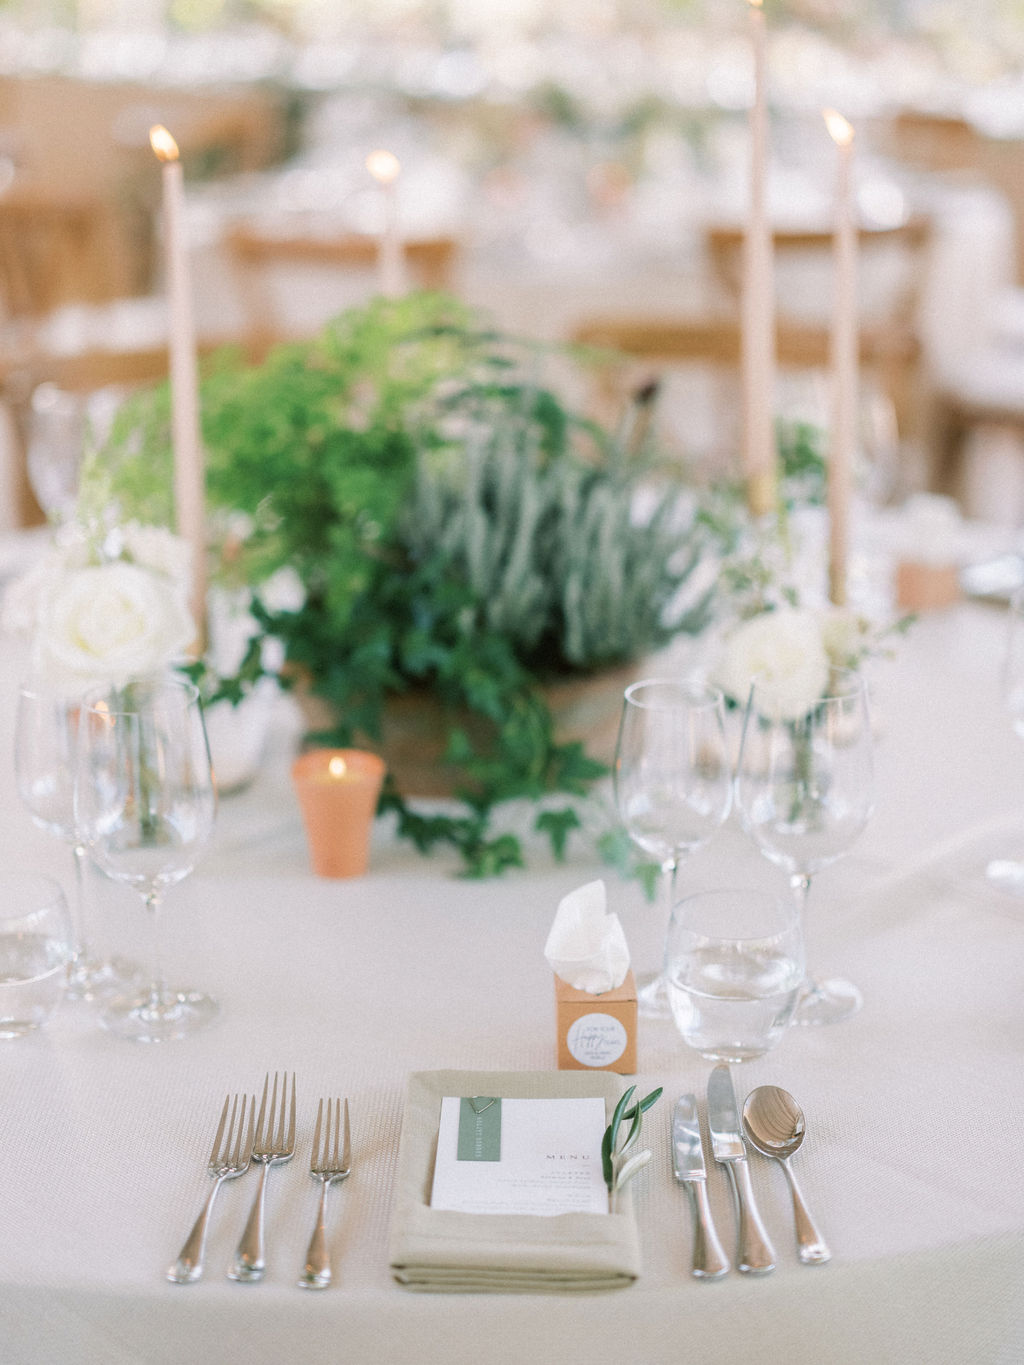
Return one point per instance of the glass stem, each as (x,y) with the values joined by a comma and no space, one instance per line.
(670,871)
(800,883)
(81,891)
(156,989)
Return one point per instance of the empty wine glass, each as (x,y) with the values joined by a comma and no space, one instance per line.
(46,734)
(62,428)
(1008,873)
(145,801)
(805,792)
(672,785)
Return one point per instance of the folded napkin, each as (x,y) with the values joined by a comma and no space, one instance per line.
(436,1249)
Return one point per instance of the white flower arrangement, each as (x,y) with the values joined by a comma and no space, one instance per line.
(793,652)
(780,630)
(104,612)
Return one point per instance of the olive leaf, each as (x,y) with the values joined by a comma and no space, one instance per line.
(615,1168)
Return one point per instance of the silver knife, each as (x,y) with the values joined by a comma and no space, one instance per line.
(709,1260)
(754,1251)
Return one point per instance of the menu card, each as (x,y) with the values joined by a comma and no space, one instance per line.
(534,1156)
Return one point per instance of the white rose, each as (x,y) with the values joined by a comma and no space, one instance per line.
(155,547)
(109,623)
(784,651)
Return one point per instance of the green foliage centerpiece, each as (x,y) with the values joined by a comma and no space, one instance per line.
(451,529)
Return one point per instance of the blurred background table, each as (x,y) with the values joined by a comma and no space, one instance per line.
(559,175)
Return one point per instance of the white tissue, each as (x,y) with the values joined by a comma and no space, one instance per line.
(586,946)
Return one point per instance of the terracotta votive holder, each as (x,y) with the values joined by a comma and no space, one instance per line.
(338,791)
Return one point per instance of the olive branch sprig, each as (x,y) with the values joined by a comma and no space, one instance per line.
(617,1164)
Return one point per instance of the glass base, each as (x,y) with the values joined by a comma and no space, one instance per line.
(90,979)
(1007,875)
(652,996)
(827,1002)
(175,1015)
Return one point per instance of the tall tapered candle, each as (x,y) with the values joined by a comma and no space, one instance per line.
(385,169)
(844,360)
(758,302)
(189,499)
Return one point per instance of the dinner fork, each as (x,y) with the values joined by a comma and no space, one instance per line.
(230,1157)
(271,1148)
(326,1166)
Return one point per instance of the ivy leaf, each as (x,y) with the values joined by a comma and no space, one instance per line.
(558,824)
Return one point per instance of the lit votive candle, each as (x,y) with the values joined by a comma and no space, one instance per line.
(338,791)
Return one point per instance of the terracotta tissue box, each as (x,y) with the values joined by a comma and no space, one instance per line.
(925,587)
(596,1032)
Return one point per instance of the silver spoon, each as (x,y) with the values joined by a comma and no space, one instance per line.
(774,1125)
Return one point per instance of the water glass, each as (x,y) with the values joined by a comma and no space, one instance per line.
(36,950)
(734,964)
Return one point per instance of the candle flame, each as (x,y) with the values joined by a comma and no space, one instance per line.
(755,4)
(162,143)
(383,166)
(839,130)
(103,714)
(336,767)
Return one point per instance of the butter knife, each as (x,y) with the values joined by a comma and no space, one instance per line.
(709,1260)
(754,1254)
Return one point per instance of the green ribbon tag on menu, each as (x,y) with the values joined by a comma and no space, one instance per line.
(479,1129)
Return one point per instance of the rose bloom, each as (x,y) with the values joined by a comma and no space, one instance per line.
(155,547)
(110,623)
(784,651)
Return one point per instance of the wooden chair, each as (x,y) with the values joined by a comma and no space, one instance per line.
(716,343)
(905,244)
(890,347)
(991,395)
(258,255)
(55,251)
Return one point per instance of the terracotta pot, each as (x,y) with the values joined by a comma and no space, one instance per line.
(415,726)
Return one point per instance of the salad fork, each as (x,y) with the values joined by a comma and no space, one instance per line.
(326,1166)
(230,1157)
(274,1145)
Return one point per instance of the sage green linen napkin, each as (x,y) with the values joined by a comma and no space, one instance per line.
(440,1250)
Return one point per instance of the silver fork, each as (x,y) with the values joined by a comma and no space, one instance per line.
(326,1166)
(230,1157)
(271,1148)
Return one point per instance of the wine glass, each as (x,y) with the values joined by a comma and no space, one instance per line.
(673,783)
(56,444)
(145,801)
(1008,873)
(44,762)
(62,428)
(805,792)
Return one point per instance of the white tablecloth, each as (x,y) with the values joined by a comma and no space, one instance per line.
(915,1108)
